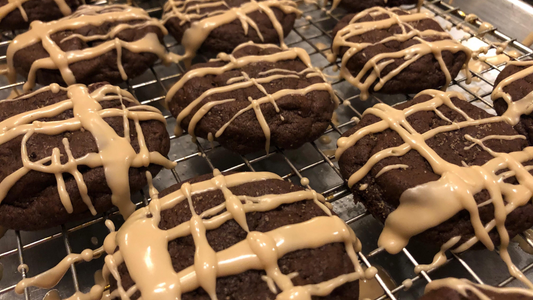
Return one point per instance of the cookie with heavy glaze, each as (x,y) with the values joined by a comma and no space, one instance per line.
(96,43)
(258,96)
(57,167)
(381,189)
(221,236)
(304,267)
(220,26)
(392,51)
(13,16)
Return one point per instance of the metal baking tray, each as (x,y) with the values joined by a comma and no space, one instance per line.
(42,250)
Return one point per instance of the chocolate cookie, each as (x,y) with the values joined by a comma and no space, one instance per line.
(220,26)
(355,6)
(515,85)
(455,289)
(257,96)
(247,239)
(389,50)
(426,168)
(97,43)
(13,16)
(63,153)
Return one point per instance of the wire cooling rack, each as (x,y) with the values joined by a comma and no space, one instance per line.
(315,161)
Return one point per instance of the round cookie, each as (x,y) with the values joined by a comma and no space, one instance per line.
(13,16)
(515,85)
(389,50)
(407,185)
(355,6)
(64,155)
(277,205)
(220,26)
(231,236)
(97,43)
(462,289)
(260,95)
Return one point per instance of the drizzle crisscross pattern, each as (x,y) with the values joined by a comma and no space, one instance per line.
(21,247)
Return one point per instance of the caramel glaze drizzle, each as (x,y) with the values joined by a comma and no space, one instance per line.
(116,155)
(245,81)
(521,106)
(463,287)
(11,5)
(375,65)
(86,15)
(190,11)
(456,188)
(143,246)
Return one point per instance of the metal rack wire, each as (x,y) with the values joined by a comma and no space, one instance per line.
(314,160)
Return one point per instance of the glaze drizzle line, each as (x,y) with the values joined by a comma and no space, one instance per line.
(202,24)
(464,287)
(456,188)
(144,246)
(86,15)
(11,5)
(521,106)
(116,155)
(245,81)
(375,65)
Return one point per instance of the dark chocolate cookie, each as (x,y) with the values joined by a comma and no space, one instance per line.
(422,172)
(257,96)
(43,184)
(305,266)
(519,89)
(391,51)
(96,43)
(12,17)
(354,6)
(223,25)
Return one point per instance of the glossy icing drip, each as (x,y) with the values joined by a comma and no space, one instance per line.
(515,107)
(144,246)
(245,81)
(375,65)
(391,167)
(464,287)
(419,5)
(456,188)
(116,155)
(11,5)
(203,23)
(86,15)
(528,40)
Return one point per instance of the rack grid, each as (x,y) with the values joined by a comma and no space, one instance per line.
(315,160)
